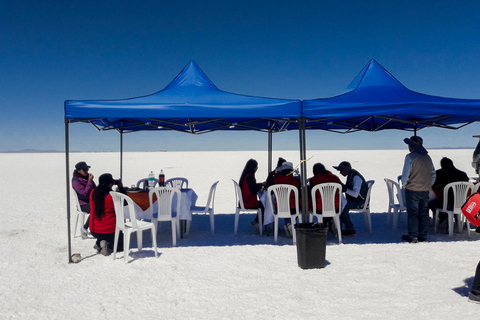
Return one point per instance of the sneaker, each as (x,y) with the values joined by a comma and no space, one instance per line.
(288,230)
(407,238)
(348,233)
(473,298)
(104,248)
(84,233)
(255,225)
(96,247)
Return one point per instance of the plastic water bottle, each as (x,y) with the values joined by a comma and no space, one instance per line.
(151,180)
(161,179)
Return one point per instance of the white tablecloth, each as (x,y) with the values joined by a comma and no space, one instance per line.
(188,200)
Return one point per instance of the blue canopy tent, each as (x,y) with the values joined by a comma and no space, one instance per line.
(191,103)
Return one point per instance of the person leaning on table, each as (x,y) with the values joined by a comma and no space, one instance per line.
(83,184)
(102,215)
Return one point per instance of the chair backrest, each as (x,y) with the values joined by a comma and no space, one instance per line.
(366,205)
(165,197)
(77,202)
(475,188)
(328,193)
(142,181)
(281,194)
(211,196)
(238,196)
(178,182)
(460,192)
(118,201)
(394,192)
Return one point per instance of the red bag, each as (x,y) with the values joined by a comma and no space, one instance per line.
(471,209)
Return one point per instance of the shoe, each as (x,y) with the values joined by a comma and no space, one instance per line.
(332,229)
(348,233)
(96,247)
(104,248)
(422,239)
(84,233)
(407,238)
(473,298)
(288,230)
(255,225)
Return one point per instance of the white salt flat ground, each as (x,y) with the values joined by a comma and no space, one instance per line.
(222,277)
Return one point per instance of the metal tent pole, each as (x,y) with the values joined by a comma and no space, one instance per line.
(270,140)
(121,154)
(303,168)
(67,175)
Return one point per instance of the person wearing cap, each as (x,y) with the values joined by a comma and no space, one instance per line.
(418,176)
(285,175)
(249,186)
(102,215)
(83,184)
(356,190)
(272,173)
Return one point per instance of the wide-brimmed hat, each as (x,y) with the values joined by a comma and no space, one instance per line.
(344,166)
(285,166)
(414,141)
(82,165)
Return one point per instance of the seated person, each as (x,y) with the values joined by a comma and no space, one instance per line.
(83,184)
(322,175)
(356,190)
(249,186)
(284,175)
(271,174)
(445,175)
(102,215)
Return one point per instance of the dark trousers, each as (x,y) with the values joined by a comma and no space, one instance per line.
(476,282)
(417,212)
(345,216)
(110,238)
(86,208)
(259,206)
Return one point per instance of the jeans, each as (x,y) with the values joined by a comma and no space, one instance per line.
(110,238)
(417,212)
(345,216)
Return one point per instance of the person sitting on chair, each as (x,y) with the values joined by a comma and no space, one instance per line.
(83,184)
(102,215)
(356,190)
(249,186)
(272,173)
(284,175)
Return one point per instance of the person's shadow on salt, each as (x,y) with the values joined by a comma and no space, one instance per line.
(465,289)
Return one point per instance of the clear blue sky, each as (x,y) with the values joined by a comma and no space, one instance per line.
(52,51)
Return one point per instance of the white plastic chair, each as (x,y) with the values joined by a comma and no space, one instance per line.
(80,213)
(129,227)
(398,205)
(142,182)
(366,208)
(164,203)
(460,192)
(209,208)
(240,207)
(179,183)
(281,193)
(328,192)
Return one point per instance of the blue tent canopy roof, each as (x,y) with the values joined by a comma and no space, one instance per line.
(375,101)
(190,103)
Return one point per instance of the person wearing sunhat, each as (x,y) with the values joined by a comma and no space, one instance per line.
(355,189)
(418,176)
(83,184)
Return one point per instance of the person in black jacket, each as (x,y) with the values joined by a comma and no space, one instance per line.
(445,175)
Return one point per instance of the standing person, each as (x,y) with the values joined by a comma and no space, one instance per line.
(102,215)
(355,189)
(447,174)
(418,176)
(83,184)
(249,186)
(284,175)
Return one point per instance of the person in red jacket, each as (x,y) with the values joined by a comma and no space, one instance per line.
(102,215)
(249,186)
(284,175)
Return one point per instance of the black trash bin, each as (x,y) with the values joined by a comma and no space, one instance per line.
(311,245)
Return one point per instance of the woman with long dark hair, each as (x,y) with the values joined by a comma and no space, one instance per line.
(102,215)
(250,187)
(83,184)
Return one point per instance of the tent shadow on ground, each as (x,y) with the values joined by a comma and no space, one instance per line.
(200,234)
